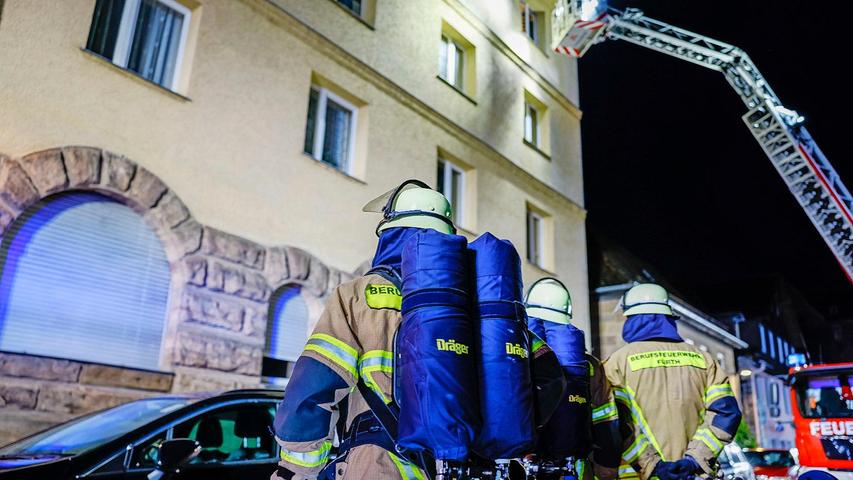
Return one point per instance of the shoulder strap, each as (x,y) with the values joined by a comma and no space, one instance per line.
(387,273)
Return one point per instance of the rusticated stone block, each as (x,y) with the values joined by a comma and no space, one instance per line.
(6,218)
(230,247)
(82,165)
(193,380)
(125,377)
(186,238)
(255,322)
(237,281)
(203,308)
(77,399)
(16,423)
(169,212)
(15,187)
(299,263)
(318,277)
(46,171)
(118,172)
(18,396)
(205,351)
(275,267)
(15,365)
(146,188)
(197,271)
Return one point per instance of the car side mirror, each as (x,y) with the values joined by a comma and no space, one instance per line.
(173,454)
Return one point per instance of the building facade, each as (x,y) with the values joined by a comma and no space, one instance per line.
(181,180)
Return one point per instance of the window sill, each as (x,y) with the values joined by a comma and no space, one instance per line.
(355,15)
(538,150)
(333,169)
(131,74)
(547,272)
(457,90)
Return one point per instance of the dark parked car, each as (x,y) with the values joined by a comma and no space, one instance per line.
(229,437)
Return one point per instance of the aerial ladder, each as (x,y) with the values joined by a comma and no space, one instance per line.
(579,24)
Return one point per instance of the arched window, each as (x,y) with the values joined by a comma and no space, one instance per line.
(82,277)
(287,331)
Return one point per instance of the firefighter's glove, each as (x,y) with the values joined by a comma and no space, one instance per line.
(680,470)
(282,473)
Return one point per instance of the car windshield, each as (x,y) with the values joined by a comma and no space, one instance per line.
(770,459)
(826,396)
(90,431)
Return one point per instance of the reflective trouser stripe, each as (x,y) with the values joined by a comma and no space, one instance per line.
(407,470)
(604,412)
(626,397)
(580,468)
(636,449)
(709,439)
(537,344)
(310,459)
(375,361)
(335,350)
(628,472)
(717,391)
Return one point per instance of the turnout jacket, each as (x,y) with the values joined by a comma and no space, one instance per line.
(353,339)
(606,448)
(673,400)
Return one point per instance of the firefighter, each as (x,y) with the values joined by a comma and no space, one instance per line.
(676,407)
(549,301)
(342,382)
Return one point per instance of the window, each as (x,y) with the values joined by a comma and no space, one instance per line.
(353,5)
(145,36)
(287,331)
(451,183)
(534,238)
(532,22)
(451,63)
(826,396)
(721,359)
(83,278)
(330,129)
(531,124)
(231,434)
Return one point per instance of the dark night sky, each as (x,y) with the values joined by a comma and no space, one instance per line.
(673,175)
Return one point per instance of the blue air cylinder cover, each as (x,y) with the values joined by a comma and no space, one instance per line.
(435,372)
(573,414)
(506,388)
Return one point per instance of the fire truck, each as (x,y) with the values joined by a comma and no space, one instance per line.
(822,396)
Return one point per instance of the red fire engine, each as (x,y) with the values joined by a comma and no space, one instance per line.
(823,417)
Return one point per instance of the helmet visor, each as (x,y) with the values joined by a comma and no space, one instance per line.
(381,203)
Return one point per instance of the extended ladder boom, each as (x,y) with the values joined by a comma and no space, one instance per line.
(792,151)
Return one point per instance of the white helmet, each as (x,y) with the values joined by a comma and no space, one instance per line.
(412,204)
(646,298)
(549,300)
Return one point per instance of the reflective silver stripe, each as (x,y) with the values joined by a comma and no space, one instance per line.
(335,350)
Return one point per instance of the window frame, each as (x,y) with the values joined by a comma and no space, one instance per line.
(538,220)
(127,30)
(459,56)
(323,96)
(536,124)
(458,209)
(527,13)
(359,13)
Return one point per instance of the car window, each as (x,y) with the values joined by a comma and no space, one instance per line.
(770,458)
(231,434)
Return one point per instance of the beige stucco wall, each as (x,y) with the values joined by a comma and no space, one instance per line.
(231,145)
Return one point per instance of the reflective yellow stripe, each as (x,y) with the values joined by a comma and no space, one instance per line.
(591,370)
(709,439)
(666,358)
(636,449)
(407,470)
(580,468)
(375,361)
(604,412)
(335,350)
(537,344)
(311,459)
(383,296)
(627,471)
(627,397)
(717,391)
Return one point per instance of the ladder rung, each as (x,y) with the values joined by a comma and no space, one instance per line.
(789,158)
(794,169)
(781,149)
(802,179)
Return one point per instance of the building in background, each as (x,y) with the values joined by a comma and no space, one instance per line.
(181,180)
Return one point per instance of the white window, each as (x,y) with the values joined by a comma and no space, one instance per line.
(287,331)
(531,22)
(84,278)
(451,63)
(531,124)
(534,238)
(145,36)
(330,129)
(451,183)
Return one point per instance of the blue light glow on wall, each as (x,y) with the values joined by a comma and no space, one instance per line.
(287,330)
(83,277)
